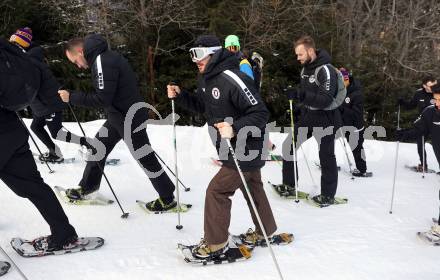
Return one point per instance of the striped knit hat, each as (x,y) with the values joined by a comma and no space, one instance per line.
(22,37)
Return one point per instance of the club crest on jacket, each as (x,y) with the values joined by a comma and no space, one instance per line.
(216,93)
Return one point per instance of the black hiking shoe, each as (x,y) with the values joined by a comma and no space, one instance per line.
(160,205)
(50,157)
(79,193)
(205,251)
(358,173)
(285,190)
(48,244)
(323,200)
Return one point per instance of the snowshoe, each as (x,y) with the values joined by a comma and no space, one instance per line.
(159,207)
(51,158)
(112,161)
(357,173)
(4,268)
(234,252)
(65,160)
(205,251)
(42,246)
(252,239)
(77,197)
(287,191)
(432,236)
(419,168)
(325,201)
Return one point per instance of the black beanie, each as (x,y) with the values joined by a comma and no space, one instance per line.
(207,41)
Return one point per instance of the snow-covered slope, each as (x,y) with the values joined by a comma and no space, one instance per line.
(360,240)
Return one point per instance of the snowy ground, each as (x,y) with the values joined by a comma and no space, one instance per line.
(360,240)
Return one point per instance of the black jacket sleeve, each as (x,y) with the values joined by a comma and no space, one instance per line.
(325,94)
(105,83)
(190,101)
(422,126)
(413,102)
(356,110)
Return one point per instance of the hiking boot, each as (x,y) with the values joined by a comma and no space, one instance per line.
(160,205)
(51,157)
(79,193)
(419,168)
(323,200)
(285,190)
(48,244)
(435,229)
(205,251)
(358,173)
(252,238)
(433,235)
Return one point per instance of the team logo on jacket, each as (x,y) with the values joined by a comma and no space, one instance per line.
(347,100)
(216,93)
(312,79)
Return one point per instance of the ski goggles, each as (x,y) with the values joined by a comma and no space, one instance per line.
(201,53)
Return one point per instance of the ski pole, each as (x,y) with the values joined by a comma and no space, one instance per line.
(423,156)
(346,154)
(178,226)
(169,169)
(124,214)
(35,143)
(395,163)
(263,230)
(13,263)
(295,164)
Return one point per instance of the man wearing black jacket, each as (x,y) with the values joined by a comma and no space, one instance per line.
(116,91)
(353,117)
(47,110)
(232,105)
(19,171)
(428,124)
(320,117)
(421,99)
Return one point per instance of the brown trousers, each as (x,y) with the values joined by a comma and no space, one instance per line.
(218,205)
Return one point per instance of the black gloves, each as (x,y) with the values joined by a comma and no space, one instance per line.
(293,93)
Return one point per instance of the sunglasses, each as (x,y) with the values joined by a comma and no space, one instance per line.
(200,53)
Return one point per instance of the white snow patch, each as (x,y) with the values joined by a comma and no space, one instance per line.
(360,240)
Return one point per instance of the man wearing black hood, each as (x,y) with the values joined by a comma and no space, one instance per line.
(17,165)
(116,91)
(428,124)
(320,118)
(420,100)
(231,103)
(353,117)
(47,110)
